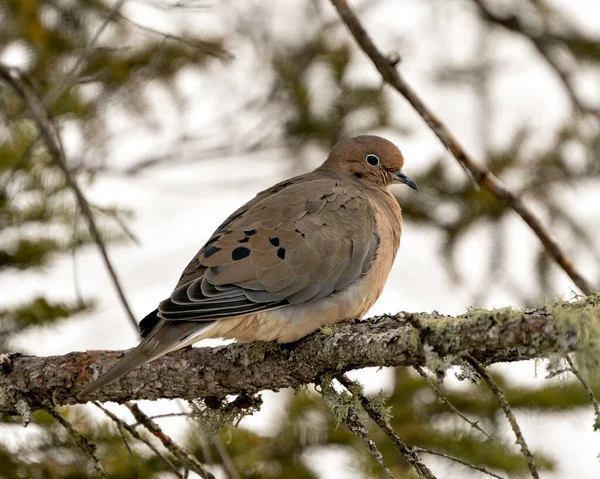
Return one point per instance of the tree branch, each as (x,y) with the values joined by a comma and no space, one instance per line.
(483,176)
(356,427)
(508,412)
(134,433)
(408,452)
(404,339)
(88,449)
(49,134)
(181,454)
(543,44)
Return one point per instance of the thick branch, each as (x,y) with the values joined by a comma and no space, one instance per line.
(401,340)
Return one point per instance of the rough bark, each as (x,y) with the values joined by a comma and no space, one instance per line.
(405,339)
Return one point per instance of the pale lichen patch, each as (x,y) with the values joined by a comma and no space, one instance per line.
(23,409)
(579,326)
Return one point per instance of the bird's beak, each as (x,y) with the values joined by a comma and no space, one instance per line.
(402,178)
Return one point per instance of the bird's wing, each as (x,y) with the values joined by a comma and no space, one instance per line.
(300,242)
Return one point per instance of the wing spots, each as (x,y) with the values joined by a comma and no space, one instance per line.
(250,232)
(212,250)
(358,175)
(214,239)
(281,186)
(300,232)
(281,253)
(244,239)
(274,241)
(231,219)
(239,253)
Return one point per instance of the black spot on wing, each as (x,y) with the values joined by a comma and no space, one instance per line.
(210,251)
(274,241)
(358,175)
(281,253)
(245,239)
(231,219)
(239,253)
(250,232)
(213,240)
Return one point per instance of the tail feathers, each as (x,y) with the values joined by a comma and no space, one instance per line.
(149,323)
(168,337)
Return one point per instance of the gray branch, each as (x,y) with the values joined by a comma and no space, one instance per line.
(431,340)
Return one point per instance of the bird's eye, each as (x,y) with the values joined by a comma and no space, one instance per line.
(372,160)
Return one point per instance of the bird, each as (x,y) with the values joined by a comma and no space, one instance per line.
(311,251)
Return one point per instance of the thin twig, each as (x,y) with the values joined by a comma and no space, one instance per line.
(75,271)
(543,44)
(125,443)
(226,460)
(587,387)
(115,216)
(479,172)
(185,457)
(408,452)
(508,412)
(441,395)
(355,426)
(83,444)
(206,47)
(457,460)
(170,414)
(51,138)
(71,78)
(131,430)
(20,163)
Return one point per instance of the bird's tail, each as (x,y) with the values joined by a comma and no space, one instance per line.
(168,336)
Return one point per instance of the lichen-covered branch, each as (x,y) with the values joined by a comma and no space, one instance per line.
(403,339)
(408,452)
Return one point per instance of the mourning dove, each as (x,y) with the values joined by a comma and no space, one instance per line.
(310,251)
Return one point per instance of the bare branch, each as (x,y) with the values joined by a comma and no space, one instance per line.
(543,44)
(206,47)
(441,395)
(508,412)
(588,389)
(71,78)
(83,444)
(226,460)
(131,430)
(457,460)
(49,135)
(405,339)
(480,173)
(181,454)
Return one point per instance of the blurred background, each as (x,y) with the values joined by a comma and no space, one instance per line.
(175,112)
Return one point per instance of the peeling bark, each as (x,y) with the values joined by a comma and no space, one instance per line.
(405,339)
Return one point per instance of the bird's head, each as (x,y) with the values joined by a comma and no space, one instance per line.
(371,159)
